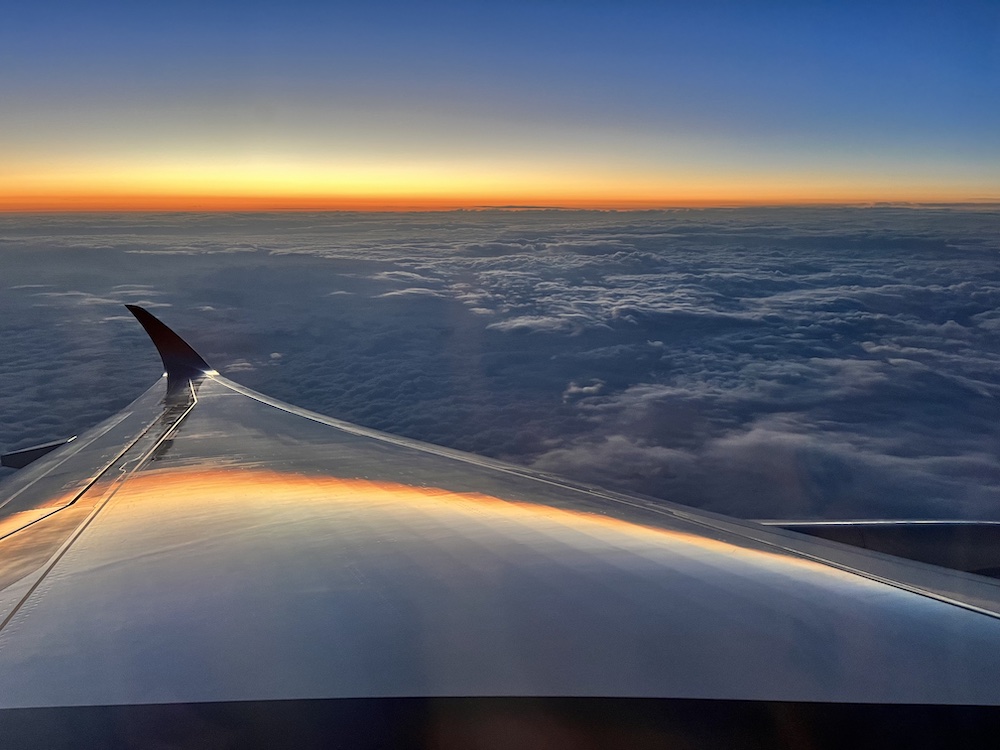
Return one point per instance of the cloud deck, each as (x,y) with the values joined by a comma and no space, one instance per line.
(798,362)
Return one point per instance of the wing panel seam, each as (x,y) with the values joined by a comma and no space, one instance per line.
(117,484)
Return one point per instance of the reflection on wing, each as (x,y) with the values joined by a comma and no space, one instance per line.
(215,551)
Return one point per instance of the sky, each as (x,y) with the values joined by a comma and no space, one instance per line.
(384,105)
(795,362)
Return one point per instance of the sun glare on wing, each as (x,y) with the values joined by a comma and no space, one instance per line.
(267,494)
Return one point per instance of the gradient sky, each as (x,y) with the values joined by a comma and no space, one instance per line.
(395,105)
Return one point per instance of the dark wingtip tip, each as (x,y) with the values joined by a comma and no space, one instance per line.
(181,362)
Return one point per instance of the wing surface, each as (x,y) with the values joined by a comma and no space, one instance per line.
(210,544)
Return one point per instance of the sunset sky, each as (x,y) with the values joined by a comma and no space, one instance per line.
(272,105)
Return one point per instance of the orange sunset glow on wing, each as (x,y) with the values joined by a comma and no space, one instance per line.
(191,494)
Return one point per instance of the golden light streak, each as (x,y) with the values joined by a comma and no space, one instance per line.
(184,495)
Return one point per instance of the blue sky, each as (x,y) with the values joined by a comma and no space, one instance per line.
(638,100)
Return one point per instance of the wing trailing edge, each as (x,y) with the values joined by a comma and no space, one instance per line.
(21,458)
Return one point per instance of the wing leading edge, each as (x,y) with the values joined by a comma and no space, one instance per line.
(212,545)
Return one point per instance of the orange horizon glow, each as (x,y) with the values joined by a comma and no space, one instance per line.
(141,203)
(229,183)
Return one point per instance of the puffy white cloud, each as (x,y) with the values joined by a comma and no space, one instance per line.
(412,291)
(576,390)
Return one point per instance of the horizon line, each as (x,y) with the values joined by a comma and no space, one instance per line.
(215,205)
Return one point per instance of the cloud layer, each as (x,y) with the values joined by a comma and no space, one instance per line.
(761,362)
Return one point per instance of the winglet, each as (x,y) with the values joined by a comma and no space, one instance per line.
(181,362)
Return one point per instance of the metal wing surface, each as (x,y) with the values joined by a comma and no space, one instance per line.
(212,547)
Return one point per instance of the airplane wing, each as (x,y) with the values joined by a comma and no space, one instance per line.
(214,568)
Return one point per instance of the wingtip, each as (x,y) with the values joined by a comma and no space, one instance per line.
(180,361)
